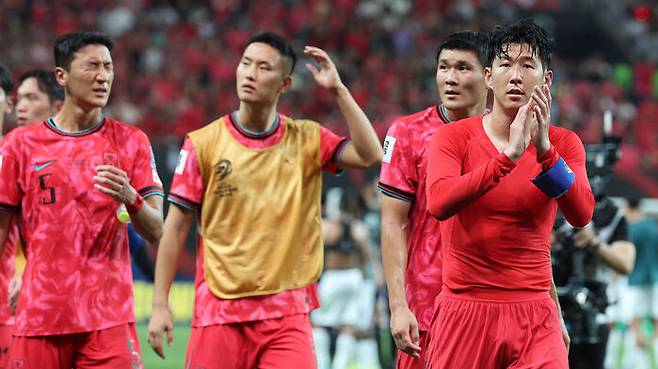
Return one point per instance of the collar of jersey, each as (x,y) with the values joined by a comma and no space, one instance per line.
(233,117)
(441,109)
(50,123)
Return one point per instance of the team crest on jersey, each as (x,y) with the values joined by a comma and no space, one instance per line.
(223,169)
(389,144)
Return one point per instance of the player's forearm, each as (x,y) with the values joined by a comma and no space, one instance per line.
(169,250)
(447,194)
(394,255)
(148,221)
(362,134)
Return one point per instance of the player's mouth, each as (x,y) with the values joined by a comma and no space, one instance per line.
(21,120)
(451,94)
(248,88)
(100,91)
(515,92)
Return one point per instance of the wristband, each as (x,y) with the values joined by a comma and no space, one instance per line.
(135,207)
(556,181)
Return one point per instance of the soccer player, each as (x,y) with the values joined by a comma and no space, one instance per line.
(496,181)
(410,235)
(254,178)
(38,97)
(68,176)
(7,264)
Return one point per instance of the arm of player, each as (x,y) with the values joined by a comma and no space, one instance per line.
(577,204)
(448,189)
(394,224)
(145,214)
(365,149)
(5,221)
(565,333)
(176,229)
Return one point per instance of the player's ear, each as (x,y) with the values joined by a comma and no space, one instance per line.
(60,75)
(286,83)
(487,78)
(548,78)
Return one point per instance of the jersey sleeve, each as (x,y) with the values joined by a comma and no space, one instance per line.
(10,193)
(448,189)
(187,186)
(332,147)
(145,174)
(577,204)
(398,176)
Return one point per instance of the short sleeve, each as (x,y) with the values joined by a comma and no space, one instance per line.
(187,186)
(10,193)
(145,177)
(331,149)
(398,176)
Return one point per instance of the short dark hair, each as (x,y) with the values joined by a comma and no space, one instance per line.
(633,202)
(278,42)
(6,82)
(523,32)
(46,82)
(67,45)
(476,42)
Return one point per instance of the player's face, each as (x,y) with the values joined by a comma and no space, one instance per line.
(460,79)
(32,104)
(514,77)
(262,74)
(89,79)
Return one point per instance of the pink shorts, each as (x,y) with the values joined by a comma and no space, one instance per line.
(405,361)
(265,344)
(475,334)
(111,348)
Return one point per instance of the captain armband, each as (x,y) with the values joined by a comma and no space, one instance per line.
(556,181)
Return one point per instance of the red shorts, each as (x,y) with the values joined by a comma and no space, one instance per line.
(405,361)
(111,348)
(265,344)
(475,334)
(5,345)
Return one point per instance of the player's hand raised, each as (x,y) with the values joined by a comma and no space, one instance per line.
(325,73)
(161,322)
(542,98)
(404,328)
(520,131)
(115,183)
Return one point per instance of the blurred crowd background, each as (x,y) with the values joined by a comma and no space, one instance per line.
(175,60)
(175,66)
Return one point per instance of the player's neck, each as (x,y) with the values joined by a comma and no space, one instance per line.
(467,112)
(256,118)
(500,120)
(72,118)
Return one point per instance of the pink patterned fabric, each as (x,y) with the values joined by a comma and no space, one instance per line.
(187,191)
(78,276)
(403,176)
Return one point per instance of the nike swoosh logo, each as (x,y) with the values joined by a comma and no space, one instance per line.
(39,167)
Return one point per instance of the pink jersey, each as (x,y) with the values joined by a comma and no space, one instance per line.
(403,177)
(78,276)
(7,270)
(187,191)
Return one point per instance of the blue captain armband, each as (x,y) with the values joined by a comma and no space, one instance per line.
(556,181)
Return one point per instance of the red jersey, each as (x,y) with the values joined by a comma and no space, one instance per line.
(7,271)
(187,191)
(497,237)
(78,276)
(403,176)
